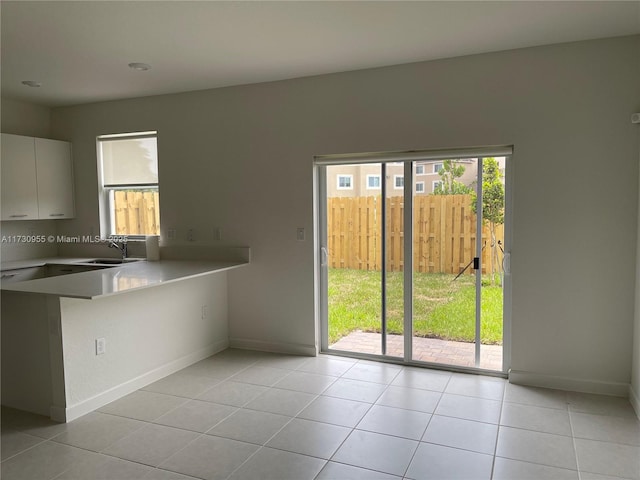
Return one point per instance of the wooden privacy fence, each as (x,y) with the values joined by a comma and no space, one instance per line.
(136,213)
(444,234)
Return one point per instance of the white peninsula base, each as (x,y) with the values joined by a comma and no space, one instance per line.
(50,364)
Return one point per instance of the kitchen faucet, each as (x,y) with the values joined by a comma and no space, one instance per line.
(123,248)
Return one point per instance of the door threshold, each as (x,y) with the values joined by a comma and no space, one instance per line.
(415,363)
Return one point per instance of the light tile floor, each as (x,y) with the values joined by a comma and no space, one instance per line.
(250,415)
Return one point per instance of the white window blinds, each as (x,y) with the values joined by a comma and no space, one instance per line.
(129,161)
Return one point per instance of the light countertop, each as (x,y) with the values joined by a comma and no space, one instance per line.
(113,280)
(41,262)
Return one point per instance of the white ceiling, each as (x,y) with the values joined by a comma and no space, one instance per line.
(80,50)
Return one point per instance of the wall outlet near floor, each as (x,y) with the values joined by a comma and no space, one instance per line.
(205,311)
(191,235)
(300,234)
(101,346)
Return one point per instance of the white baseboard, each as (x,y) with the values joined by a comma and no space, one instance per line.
(277,347)
(571,384)
(634,399)
(61,414)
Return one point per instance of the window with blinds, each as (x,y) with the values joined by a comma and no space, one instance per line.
(128,166)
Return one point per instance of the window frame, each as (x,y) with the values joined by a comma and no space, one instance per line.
(421,170)
(371,176)
(434,184)
(344,175)
(395,182)
(423,187)
(106,192)
(437,167)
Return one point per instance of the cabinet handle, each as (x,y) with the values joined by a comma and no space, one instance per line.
(56,214)
(19,216)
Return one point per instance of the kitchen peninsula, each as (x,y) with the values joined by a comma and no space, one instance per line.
(75,342)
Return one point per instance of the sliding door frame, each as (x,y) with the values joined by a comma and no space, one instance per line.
(408,262)
(321,282)
(321,258)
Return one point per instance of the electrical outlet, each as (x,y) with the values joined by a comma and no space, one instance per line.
(300,234)
(191,235)
(101,346)
(205,311)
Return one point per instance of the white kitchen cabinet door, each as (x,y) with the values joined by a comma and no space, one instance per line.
(19,194)
(54,174)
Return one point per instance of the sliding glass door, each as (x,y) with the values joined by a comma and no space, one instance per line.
(353,253)
(412,253)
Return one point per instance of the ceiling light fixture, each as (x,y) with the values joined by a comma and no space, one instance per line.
(32,83)
(141,67)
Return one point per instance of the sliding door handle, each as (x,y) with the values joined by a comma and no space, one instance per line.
(324,257)
(506,263)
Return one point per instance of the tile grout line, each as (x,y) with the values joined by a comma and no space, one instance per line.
(426,428)
(573,440)
(261,446)
(495,447)
(42,440)
(355,427)
(264,445)
(145,423)
(205,433)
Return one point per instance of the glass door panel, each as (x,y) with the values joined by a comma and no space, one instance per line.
(354,258)
(493,211)
(394,260)
(444,245)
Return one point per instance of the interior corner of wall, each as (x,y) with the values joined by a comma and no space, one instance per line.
(634,399)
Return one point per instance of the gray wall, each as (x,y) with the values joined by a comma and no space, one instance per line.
(22,118)
(224,155)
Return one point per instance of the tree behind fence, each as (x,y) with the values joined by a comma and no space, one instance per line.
(137,213)
(444,233)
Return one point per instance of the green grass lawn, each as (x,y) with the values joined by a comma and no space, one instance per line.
(442,308)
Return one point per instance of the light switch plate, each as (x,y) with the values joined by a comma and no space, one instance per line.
(101,346)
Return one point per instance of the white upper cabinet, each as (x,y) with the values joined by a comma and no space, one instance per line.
(19,191)
(54,177)
(37,178)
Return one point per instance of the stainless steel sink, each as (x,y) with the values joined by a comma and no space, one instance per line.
(112,261)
